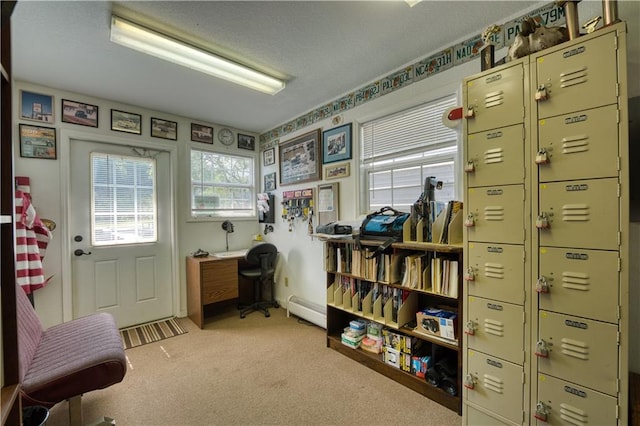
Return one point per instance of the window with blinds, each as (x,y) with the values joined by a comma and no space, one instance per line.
(123,200)
(222,185)
(400,150)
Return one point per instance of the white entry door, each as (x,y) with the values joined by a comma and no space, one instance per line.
(120,224)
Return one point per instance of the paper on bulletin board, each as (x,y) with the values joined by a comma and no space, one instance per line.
(327,203)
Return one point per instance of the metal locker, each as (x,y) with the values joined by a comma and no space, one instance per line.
(495,384)
(496,99)
(580,77)
(496,157)
(495,328)
(578,350)
(580,145)
(564,403)
(581,213)
(579,282)
(496,271)
(496,214)
(478,418)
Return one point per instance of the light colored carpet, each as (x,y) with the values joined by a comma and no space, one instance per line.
(253,371)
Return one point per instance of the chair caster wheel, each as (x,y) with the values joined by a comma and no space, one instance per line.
(267,315)
(241,316)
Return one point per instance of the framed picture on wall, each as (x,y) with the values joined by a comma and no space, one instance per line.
(300,159)
(336,144)
(128,122)
(38,142)
(79,113)
(200,133)
(270,182)
(336,171)
(269,157)
(36,107)
(164,129)
(246,142)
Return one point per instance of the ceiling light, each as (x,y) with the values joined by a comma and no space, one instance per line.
(164,47)
(412,3)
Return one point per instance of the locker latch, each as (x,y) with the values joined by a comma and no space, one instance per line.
(469,381)
(470,275)
(542,222)
(469,221)
(470,167)
(470,328)
(542,157)
(542,350)
(470,112)
(542,412)
(542,286)
(541,93)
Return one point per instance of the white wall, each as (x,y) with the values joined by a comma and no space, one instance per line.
(48,188)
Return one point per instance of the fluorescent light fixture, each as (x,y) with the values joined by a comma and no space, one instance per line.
(412,3)
(164,47)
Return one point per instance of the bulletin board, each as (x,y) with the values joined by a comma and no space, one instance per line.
(328,203)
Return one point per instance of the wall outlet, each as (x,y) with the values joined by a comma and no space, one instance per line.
(286,281)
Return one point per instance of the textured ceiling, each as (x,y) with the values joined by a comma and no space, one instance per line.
(324,48)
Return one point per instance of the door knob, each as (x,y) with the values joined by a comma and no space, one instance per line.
(80,252)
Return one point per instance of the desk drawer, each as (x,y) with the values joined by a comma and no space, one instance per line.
(219,281)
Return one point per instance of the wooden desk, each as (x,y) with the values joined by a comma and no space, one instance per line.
(210,280)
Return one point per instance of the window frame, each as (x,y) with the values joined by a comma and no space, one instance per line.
(250,213)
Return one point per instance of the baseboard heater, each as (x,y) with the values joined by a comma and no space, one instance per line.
(306,310)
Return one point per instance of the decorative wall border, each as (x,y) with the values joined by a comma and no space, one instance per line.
(460,53)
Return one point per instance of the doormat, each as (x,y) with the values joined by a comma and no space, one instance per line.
(151,332)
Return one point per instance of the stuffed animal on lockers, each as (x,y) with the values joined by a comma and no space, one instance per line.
(534,37)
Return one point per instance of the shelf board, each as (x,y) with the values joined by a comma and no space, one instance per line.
(10,397)
(441,248)
(415,383)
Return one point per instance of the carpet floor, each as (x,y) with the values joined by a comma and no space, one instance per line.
(151,332)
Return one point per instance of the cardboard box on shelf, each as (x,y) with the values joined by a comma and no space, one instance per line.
(438,322)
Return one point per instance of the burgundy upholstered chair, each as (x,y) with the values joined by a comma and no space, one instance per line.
(67,360)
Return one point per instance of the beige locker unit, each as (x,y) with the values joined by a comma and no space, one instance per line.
(496,271)
(580,213)
(495,384)
(496,328)
(578,350)
(564,403)
(579,77)
(496,213)
(496,99)
(477,417)
(496,157)
(567,142)
(579,282)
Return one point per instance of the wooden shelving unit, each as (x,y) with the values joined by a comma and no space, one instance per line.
(340,313)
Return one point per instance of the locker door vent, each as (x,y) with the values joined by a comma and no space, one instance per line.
(494,213)
(493,383)
(572,78)
(494,99)
(573,415)
(575,213)
(494,270)
(575,144)
(575,281)
(494,327)
(575,348)
(494,155)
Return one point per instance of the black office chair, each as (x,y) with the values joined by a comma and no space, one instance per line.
(263,259)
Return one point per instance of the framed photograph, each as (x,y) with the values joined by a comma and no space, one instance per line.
(79,113)
(200,133)
(300,159)
(270,182)
(269,157)
(164,129)
(246,142)
(36,107)
(337,171)
(126,122)
(336,144)
(37,142)
(328,203)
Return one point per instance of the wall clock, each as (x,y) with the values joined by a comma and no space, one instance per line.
(225,136)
